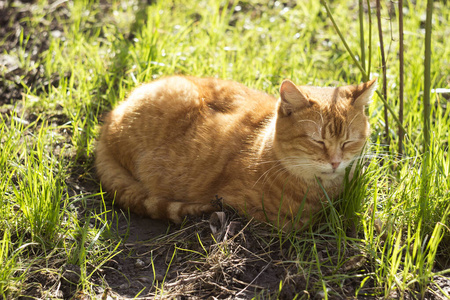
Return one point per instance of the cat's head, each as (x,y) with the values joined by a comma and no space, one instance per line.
(321,130)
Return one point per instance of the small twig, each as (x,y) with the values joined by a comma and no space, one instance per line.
(254,279)
(221,287)
(249,284)
(55,5)
(186,278)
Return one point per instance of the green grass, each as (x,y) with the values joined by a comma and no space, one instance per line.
(48,138)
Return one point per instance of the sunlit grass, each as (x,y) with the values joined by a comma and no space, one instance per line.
(107,52)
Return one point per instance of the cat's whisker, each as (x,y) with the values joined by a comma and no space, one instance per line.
(273,172)
(292,161)
(281,172)
(266,173)
(314,122)
(350,123)
(371,156)
(319,127)
(266,162)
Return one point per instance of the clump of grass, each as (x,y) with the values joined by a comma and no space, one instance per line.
(379,234)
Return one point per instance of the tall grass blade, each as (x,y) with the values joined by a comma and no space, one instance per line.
(361,34)
(369,63)
(330,15)
(401,132)
(383,67)
(426,110)
(364,74)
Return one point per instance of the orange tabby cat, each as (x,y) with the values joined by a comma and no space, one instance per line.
(176,143)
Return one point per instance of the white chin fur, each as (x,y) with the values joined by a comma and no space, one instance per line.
(324,171)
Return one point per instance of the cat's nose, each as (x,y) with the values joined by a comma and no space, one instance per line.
(335,164)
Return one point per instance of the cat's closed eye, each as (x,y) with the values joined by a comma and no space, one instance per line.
(346,144)
(318,142)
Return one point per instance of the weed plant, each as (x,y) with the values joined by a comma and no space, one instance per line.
(388,232)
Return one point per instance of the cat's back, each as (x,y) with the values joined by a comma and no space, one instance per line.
(187,114)
(179,94)
(182,100)
(179,135)
(230,97)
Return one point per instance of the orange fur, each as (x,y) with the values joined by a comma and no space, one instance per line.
(176,143)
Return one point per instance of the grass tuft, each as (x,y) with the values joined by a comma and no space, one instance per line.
(69,62)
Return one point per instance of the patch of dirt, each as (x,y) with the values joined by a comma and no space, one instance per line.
(227,259)
(14,28)
(134,270)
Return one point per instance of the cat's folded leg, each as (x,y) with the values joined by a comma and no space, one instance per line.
(133,194)
(128,192)
(175,210)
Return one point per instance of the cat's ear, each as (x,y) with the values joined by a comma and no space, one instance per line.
(362,93)
(292,98)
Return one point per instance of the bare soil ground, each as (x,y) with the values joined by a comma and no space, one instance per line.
(221,256)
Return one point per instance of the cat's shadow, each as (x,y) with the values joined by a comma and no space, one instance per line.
(133,228)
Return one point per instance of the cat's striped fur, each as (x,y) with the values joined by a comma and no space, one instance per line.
(176,143)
